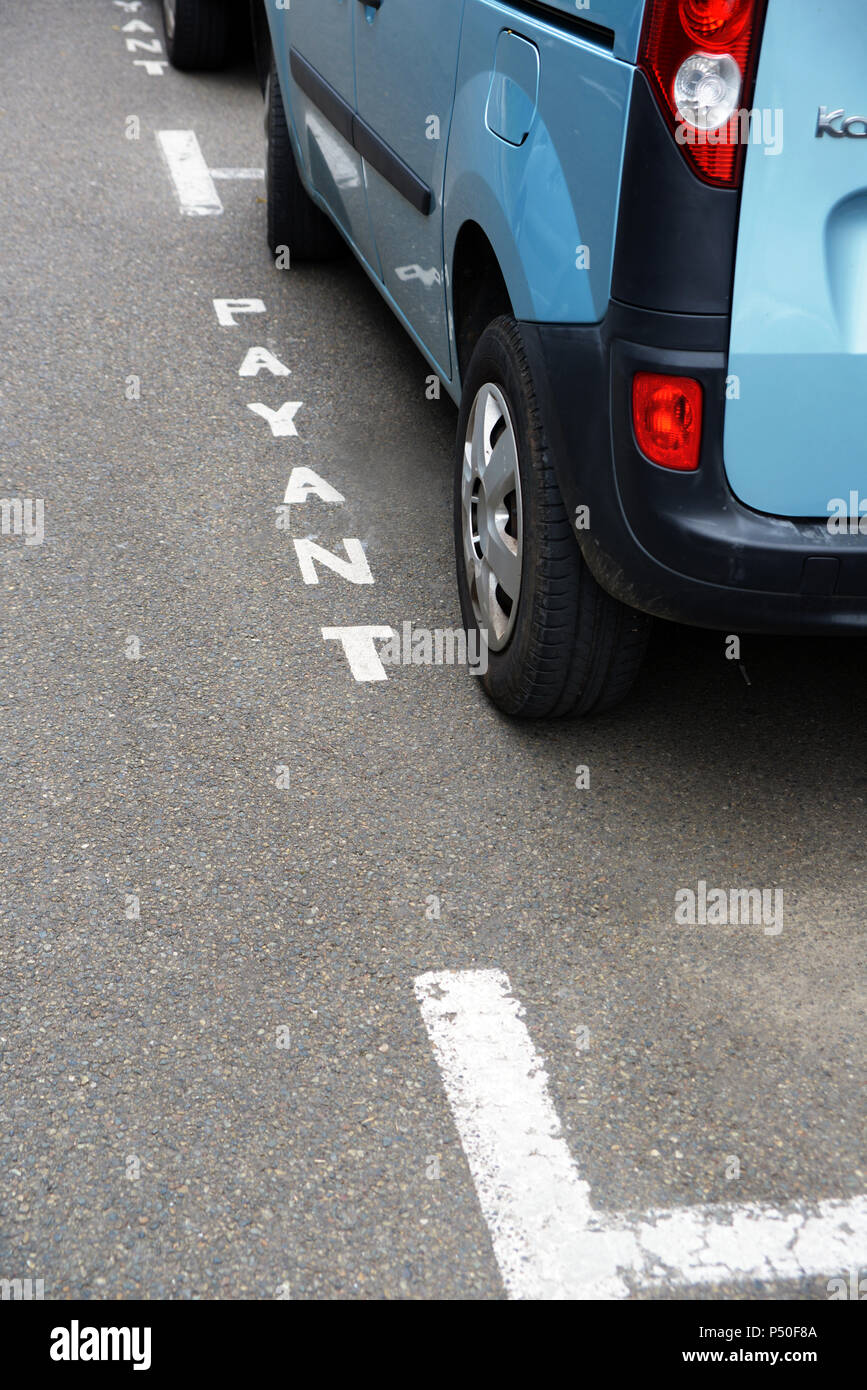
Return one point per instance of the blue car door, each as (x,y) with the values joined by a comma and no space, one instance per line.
(313,47)
(406,56)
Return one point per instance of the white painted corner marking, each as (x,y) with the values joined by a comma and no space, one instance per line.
(548,1239)
(193,180)
(197,193)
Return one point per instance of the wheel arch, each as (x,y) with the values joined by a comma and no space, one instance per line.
(479,292)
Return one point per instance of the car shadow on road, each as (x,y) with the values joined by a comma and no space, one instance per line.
(752,763)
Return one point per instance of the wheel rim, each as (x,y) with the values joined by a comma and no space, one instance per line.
(491,516)
(169,8)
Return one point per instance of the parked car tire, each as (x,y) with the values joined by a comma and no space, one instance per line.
(198,33)
(557,642)
(294,220)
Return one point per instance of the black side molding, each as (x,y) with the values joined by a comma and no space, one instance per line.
(362,137)
(330,102)
(383,159)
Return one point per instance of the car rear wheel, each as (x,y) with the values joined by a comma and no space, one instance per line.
(557,642)
(294,220)
(198,33)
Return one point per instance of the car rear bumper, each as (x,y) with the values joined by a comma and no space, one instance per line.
(680,545)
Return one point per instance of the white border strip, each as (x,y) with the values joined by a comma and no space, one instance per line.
(237,173)
(549,1241)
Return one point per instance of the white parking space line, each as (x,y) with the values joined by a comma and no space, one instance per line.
(548,1239)
(191,176)
(193,180)
(237,173)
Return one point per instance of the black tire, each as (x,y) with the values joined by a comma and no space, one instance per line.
(198,33)
(572,649)
(294,220)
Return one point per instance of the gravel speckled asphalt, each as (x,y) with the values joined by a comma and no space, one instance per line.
(150,1046)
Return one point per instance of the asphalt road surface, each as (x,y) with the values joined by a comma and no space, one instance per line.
(226,862)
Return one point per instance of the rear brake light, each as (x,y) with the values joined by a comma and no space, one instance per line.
(714,22)
(667,417)
(700,58)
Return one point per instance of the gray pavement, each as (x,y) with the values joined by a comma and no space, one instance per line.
(155,1139)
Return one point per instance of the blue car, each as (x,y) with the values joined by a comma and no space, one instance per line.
(630,236)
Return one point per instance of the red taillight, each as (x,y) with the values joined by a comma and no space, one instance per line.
(714,23)
(700,58)
(666,417)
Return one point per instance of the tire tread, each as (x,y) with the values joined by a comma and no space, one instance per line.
(201,38)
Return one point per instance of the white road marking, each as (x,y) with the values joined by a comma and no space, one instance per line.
(549,1241)
(226,309)
(303,483)
(191,176)
(237,173)
(359,648)
(355,568)
(193,180)
(282,421)
(256,358)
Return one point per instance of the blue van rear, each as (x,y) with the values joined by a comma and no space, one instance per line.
(795,439)
(631,239)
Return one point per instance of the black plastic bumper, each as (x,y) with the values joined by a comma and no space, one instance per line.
(680,545)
